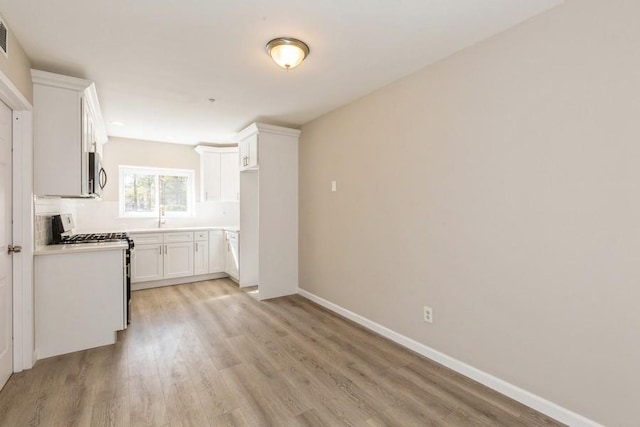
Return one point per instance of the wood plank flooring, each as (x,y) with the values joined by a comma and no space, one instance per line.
(208,354)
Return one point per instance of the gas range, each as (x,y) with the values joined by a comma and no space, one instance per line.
(62,227)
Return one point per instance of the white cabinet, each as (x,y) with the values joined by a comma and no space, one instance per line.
(201,253)
(146,263)
(232,258)
(248,151)
(174,256)
(219,173)
(217,251)
(229,177)
(178,259)
(269,238)
(79,300)
(178,254)
(210,176)
(67,123)
(147,257)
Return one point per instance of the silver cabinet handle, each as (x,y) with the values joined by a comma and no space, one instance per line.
(196,246)
(11,249)
(206,195)
(160,249)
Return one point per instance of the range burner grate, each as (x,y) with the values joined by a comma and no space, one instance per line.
(94,238)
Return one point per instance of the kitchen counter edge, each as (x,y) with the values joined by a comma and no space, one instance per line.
(177,229)
(79,248)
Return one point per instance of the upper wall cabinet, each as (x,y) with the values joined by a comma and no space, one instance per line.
(67,124)
(219,174)
(248,150)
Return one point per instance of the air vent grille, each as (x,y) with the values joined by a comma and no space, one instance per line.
(4,36)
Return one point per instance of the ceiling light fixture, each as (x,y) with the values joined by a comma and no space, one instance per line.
(117,123)
(287,52)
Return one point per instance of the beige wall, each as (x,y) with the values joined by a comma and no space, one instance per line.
(17,66)
(131,152)
(501,187)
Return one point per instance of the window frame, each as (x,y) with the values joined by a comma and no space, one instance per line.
(157,172)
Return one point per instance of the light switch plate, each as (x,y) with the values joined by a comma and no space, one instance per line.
(334,186)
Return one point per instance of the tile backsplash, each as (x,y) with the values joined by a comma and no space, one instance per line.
(43,233)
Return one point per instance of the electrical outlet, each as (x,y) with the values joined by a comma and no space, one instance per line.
(428,314)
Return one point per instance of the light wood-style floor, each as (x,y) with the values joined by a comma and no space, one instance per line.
(208,354)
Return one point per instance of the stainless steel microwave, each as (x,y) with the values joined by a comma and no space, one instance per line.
(97,175)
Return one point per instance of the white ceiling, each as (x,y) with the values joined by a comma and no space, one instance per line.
(157,62)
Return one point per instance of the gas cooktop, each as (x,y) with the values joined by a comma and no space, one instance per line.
(94,238)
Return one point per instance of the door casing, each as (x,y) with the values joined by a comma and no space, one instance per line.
(23,221)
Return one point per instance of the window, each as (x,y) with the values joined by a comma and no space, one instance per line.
(144,190)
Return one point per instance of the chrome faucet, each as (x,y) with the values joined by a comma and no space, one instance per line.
(161,218)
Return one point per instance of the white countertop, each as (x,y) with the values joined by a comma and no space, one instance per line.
(84,247)
(109,246)
(170,229)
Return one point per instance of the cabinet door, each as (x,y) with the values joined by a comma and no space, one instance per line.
(146,263)
(178,259)
(253,152)
(217,251)
(57,139)
(232,255)
(243,153)
(201,257)
(229,177)
(210,164)
(248,153)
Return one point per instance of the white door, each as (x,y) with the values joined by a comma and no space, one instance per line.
(6,294)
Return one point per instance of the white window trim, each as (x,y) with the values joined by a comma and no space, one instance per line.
(189,173)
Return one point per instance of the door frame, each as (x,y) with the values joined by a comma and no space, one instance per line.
(23,220)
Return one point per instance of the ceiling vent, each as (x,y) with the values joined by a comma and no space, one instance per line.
(4,38)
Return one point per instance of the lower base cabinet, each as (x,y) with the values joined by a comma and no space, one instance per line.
(146,263)
(79,300)
(217,251)
(201,257)
(171,255)
(178,259)
(231,267)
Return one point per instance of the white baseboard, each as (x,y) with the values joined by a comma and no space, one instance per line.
(531,400)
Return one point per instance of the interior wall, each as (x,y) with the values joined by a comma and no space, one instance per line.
(500,187)
(17,66)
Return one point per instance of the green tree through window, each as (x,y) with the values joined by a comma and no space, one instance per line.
(144,190)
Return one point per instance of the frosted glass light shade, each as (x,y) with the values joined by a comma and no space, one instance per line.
(287,52)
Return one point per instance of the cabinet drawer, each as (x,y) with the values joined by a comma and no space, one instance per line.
(146,238)
(180,236)
(201,236)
